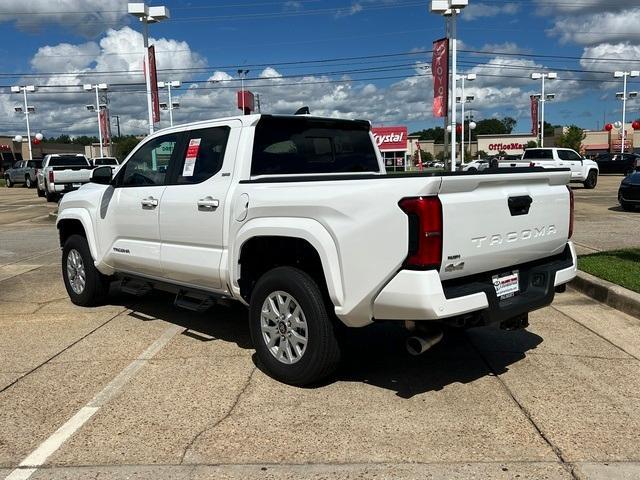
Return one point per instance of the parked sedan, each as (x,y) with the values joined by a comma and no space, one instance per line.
(624,163)
(629,193)
(476,166)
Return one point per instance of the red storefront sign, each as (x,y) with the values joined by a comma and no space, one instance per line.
(534,116)
(440,69)
(390,138)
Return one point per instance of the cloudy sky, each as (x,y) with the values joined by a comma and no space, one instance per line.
(356,59)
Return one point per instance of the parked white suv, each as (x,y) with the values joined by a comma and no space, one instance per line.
(583,170)
(295,217)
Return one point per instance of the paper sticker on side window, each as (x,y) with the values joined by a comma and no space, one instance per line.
(192,155)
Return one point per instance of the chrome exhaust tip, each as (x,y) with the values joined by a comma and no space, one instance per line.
(417,345)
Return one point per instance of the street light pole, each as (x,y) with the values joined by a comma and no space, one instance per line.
(463,100)
(24,89)
(97,87)
(543,97)
(170,84)
(624,75)
(148,15)
(242,74)
(451,8)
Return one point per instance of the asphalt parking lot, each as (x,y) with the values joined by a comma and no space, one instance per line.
(143,389)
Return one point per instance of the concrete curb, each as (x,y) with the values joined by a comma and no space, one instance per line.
(608,293)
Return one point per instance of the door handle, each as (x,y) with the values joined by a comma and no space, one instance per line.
(208,204)
(149,202)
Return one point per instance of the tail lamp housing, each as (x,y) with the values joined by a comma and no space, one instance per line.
(50,176)
(572,214)
(425,232)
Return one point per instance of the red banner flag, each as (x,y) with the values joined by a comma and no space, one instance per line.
(104,126)
(440,70)
(153,74)
(535,127)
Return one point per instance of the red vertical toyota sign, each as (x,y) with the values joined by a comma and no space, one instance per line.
(440,70)
(104,126)
(534,116)
(155,98)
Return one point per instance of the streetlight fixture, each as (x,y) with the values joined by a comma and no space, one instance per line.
(169,85)
(242,73)
(27,109)
(543,98)
(624,76)
(147,15)
(451,9)
(97,107)
(463,100)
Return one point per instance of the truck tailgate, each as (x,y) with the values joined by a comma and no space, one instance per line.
(496,221)
(66,175)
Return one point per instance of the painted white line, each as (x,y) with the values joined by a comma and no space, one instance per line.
(39,456)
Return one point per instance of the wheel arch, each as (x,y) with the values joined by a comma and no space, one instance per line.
(77,221)
(300,242)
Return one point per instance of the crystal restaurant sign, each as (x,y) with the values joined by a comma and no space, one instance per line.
(393,145)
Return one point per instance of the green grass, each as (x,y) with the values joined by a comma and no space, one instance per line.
(618,266)
(1,182)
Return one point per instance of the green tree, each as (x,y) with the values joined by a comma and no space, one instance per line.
(436,134)
(426,157)
(124,146)
(494,126)
(572,138)
(531,144)
(482,154)
(440,156)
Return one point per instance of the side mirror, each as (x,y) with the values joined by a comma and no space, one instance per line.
(102,175)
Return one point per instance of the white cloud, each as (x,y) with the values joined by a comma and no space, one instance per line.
(479,10)
(87,17)
(595,28)
(355,7)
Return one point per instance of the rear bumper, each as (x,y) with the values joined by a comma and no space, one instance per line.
(414,295)
(63,187)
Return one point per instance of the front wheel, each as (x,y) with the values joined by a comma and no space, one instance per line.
(625,205)
(86,286)
(291,329)
(27,182)
(8,182)
(591,181)
(40,192)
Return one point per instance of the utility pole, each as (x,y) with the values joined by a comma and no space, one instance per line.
(623,96)
(27,110)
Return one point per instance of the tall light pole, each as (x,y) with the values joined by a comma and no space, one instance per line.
(26,109)
(543,97)
(242,73)
(169,85)
(148,15)
(463,101)
(97,87)
(624,76)
(451,8)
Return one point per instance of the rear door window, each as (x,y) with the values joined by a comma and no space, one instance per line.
(300,145)
(204,155)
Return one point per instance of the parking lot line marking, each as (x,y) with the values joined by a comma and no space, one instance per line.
(39,456)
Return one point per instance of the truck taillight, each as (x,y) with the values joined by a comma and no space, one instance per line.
(50,176)
(425,232)
(571,211)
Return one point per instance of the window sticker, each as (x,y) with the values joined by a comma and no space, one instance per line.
(192,155)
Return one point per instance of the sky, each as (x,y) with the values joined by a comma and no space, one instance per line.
(366,59)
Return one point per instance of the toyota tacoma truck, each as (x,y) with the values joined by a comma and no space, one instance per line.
(583,170)
(295,217)
(62,173)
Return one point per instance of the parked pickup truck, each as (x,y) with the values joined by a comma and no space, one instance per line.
(296,218)
(582,170)
(24,172)
(62,173)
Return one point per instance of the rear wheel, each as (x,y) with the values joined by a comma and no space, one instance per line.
(85,285)
(51,197)
(27,182)
(40,192)
(8,182)
(591,181)
(291,329)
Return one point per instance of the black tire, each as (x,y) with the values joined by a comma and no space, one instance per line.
(27,182)
(626,205)
(8,182)
(51,197)
(472,170)
(40,192)
(591,181)
(322,354)
(96,287)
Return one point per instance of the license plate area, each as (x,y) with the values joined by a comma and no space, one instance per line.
(507,284)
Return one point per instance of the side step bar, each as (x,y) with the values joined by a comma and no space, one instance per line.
(194,301)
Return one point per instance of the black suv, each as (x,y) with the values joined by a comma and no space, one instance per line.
(624,163)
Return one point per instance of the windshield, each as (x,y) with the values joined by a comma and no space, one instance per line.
(68,161)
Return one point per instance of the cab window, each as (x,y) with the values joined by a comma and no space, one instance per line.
(149,165)
(203,155)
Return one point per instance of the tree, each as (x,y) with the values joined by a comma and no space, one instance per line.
(572,138)
(509,124)
(482,154)
(436,134)
(531,144)
(125,145)
(425,156)
(440,156)
(494,126)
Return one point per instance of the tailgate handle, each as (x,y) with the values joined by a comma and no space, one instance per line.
(520,205)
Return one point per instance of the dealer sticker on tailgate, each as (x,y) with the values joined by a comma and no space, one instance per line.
(507,284)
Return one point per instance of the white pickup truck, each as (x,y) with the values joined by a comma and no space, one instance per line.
(295,217)
(62,173)
(583,170)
